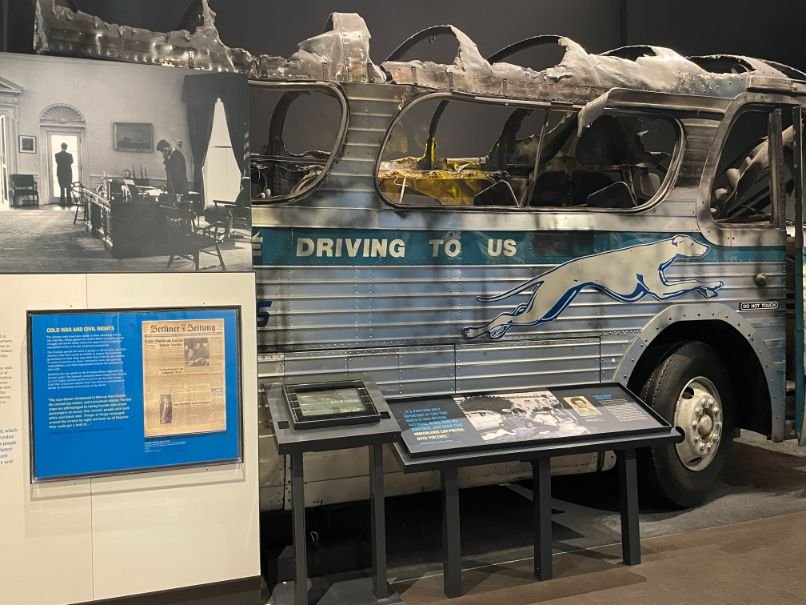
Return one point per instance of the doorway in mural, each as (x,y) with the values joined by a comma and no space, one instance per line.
(70,144)
(61,125)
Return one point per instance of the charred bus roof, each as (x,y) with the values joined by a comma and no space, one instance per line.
(341,54)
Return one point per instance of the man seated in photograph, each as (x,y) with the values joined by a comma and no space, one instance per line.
(175,169)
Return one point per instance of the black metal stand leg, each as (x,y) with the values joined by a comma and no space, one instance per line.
(451,540)
(541,490)
(298,511)
(378,522)
(628,488)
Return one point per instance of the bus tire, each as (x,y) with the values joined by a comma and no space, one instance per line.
(691,389)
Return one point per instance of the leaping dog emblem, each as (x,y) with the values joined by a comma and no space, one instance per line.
(627,275)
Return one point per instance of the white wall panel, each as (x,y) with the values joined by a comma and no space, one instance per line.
(45,528)
(79,540)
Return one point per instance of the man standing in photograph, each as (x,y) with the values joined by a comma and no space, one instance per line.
(64,174)
(166,409)
(175,169)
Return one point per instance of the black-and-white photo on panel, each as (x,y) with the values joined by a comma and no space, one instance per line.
(520,417)
(137,168)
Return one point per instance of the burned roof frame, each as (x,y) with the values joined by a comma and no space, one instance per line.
(342,54)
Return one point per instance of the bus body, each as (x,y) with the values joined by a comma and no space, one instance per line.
(352,283)
(484,227)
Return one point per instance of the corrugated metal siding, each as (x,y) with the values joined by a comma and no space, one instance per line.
(345,308)
(523,365)
(371,111)
(421,371)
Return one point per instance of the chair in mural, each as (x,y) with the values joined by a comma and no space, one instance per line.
(24,188)
(225,215)
(242,212)
(81,201)
(218,218)
(186,241)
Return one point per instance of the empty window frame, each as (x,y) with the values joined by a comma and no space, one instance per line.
(295,133)
(743,189)
(460,153)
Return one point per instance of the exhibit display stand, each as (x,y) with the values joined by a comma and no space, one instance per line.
(324,415)
(446,433)
(128,438)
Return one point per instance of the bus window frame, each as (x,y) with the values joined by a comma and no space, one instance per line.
(618,109)
(341,136)
(742,105)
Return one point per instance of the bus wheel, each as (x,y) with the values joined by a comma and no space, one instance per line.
(691,389)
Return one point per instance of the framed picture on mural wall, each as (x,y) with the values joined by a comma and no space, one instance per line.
(134,136)
(27,144)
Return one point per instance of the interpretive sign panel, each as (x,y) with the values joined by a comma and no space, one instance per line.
(117,391)
(504,419)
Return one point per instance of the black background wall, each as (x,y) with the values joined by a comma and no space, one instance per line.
(771,29)
(768,29)
(276,26)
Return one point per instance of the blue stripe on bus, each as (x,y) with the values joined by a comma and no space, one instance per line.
(349,247)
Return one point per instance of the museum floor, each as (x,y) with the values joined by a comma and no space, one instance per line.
(745,545)
(751,562)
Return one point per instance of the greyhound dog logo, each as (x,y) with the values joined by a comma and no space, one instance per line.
(626,275)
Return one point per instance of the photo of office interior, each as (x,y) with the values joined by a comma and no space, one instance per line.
(147,178)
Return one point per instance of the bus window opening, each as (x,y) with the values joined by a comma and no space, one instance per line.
(296,132)
(449,152)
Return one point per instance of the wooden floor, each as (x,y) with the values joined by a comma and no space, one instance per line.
(754,562)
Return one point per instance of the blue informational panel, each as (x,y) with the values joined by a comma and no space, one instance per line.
(117,391)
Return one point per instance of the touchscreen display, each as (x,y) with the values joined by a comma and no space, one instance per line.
(330,401)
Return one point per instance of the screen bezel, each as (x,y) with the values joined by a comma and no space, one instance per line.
(292,392)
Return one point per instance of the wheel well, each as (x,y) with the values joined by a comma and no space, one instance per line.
(742,364)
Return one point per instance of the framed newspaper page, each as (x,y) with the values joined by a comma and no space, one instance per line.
(184,377)
(116,391)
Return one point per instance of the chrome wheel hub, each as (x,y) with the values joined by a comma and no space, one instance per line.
(698,414)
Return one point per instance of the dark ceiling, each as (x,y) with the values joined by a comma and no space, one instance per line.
(772,29)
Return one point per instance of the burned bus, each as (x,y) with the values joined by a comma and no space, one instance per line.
(483,226)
